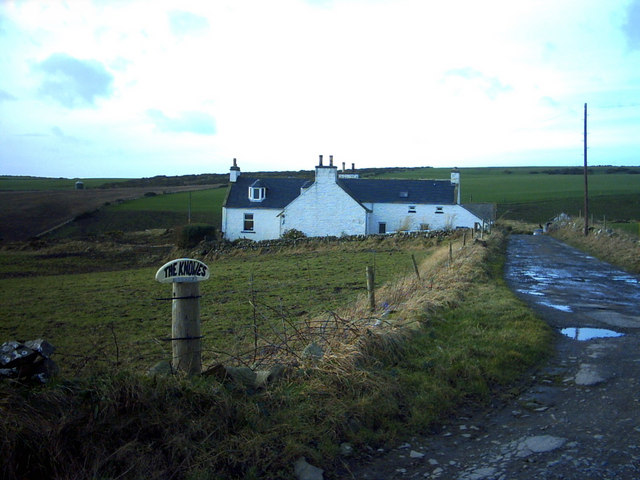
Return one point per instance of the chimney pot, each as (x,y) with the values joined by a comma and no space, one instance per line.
(353,167)
(331,160)
(320,164)
(343,166)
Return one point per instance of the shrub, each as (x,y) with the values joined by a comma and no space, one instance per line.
(190,235)
(293,234)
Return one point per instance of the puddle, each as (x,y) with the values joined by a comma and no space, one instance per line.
(562,308)
(583,334)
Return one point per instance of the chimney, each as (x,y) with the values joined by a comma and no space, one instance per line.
(331,160)
(353,167)
(234,172)
(455,181)
(343,167)
(320,163)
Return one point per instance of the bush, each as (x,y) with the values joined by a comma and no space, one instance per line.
(190,235)
(293,234)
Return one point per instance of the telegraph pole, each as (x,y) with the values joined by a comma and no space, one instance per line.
(586,183)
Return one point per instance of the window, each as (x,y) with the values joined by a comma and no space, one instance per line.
(248,222)
(424,226)
(382,227)
(440,210)
(412,209)
(256,194)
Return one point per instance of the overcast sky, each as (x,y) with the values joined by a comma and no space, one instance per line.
(131,88)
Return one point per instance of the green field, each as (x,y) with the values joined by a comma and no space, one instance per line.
(532,194)
(76,312)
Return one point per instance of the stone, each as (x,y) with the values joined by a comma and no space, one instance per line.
(539,444)
(313,351)
(346,449)
(263,377)
(306,471)
(588,376)
(243,376)
(414,454)
(161,369)
(28,360)
(481,474)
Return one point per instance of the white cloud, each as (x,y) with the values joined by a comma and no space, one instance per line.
(72,82)
(376,82)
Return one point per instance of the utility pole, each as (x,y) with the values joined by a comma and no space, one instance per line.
(586,183)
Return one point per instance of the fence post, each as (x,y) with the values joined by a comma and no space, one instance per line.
(186,338)
(371,288)
(415,266)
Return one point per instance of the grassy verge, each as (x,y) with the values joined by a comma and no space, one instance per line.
(457,337)
(616,247)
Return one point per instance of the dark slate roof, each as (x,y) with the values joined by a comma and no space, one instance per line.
(399,191)
(279,192)
(282,191)
(485,211)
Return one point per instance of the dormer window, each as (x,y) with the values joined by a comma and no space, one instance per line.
(257,191)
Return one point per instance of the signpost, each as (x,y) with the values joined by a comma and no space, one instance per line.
(185,275)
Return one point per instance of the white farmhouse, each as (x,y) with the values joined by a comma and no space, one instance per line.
(343,204)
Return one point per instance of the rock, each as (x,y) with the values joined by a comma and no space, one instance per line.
(263,377)
(243,376)
(588,375)
(414,454)
(161,369)
(313,351)
(539,444)
(306,471)
(480,474)
(28,360)
(346,449)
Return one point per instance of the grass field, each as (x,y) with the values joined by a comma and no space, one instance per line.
(81,313)
(458,339)
(533,194)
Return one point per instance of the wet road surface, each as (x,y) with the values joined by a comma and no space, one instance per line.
(579,419)
(569,288)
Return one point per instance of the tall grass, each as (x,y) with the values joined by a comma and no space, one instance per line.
(455,337)
(616,247)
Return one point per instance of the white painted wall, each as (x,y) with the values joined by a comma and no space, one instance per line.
(398,218)
(325,209)
(266,223)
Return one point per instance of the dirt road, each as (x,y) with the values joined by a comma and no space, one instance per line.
(580,417)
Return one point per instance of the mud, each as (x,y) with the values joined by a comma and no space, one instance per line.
(579,418)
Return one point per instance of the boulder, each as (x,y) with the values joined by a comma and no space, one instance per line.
(27,360)
(306,471)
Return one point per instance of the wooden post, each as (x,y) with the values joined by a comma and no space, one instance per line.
(450,253)
(415,266)
(371,288)
(186,340)
(464,239)
(586,182)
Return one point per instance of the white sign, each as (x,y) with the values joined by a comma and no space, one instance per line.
(183,270)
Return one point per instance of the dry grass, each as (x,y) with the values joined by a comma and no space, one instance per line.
(615,247)
(448,338)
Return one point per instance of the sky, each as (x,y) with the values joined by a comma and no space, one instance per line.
(138,88)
